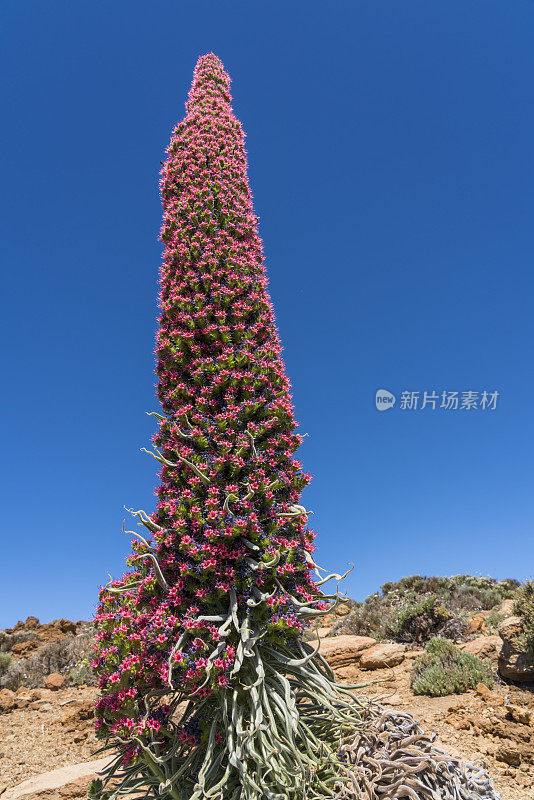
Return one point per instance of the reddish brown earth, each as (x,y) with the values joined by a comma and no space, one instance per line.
(39,735)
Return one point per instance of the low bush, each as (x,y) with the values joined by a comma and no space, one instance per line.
(82,673)
(524,607)
(444,669)
(493,619)
(5,662)
(61,655)
(418,622)
(14,676)
(390,612)
(478,593)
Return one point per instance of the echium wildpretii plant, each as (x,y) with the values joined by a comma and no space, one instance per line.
(216,604)
(214,607)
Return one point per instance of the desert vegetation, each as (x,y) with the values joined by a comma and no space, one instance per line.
(418,607)
(524,608)
(31,653)
(444,669)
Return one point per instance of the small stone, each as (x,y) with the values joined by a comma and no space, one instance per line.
(69,716)
(510,629)
(411,654)
(54,681)
(477,622)
(516,666)
(514,663)
(86,710)
(7,701)
(489,697)
(520,714)
(461,724)
(315,633)
(508,755)
(46,707)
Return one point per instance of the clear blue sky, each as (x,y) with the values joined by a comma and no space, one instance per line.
(391,160)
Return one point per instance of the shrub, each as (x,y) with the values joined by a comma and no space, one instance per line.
(493,620)
(59,655)
(15,675)
(418,622)
(524,607)
(366,619)
(444,669)
(82,673)
(5,662)
(454,628)
(382,614)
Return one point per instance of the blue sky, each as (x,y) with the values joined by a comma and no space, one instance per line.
(391,161)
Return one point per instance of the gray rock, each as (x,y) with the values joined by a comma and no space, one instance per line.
(56,778)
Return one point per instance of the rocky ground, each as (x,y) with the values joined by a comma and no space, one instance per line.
(50,727)
(44,729)
(496,726)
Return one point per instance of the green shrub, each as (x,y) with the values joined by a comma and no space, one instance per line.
(444,669)
(366,619)
(5,662)
(82,673)
(418,622)
(493,620)
(524,607)
(383,613)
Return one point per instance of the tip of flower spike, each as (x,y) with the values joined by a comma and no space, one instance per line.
(211,84)
(209,61)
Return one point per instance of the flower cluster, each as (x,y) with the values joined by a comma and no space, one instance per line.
(228,564)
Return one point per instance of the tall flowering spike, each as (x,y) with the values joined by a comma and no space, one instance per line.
(229,564)
(219,590)
(228,499)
